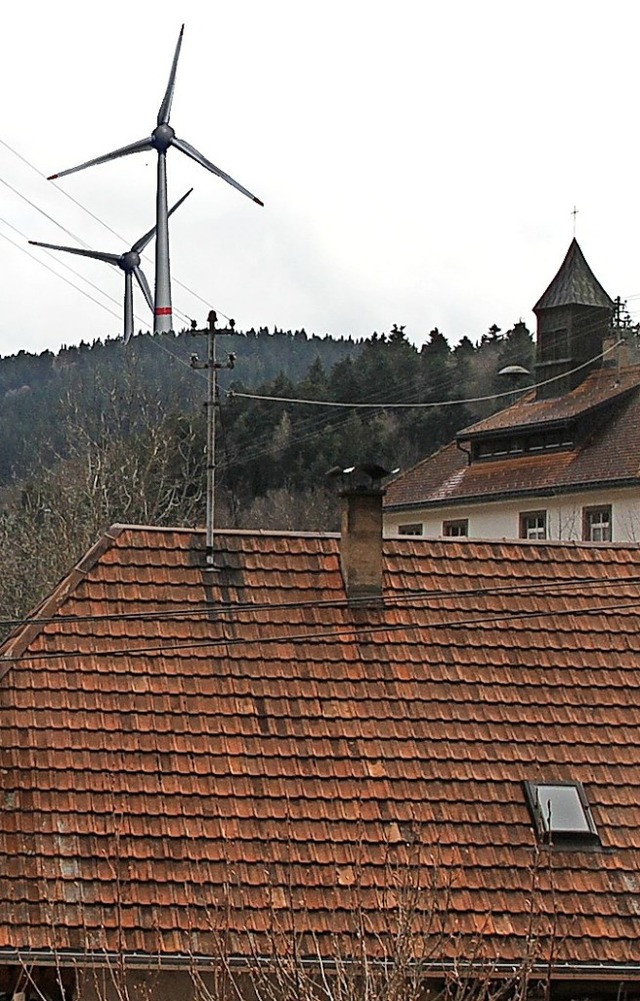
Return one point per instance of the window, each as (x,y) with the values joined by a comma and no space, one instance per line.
(415,528)
(554,345)
(596,523)
(561,813)
(455,529)
(533,525)
(536,441)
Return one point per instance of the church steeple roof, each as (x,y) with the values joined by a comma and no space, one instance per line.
(574,285)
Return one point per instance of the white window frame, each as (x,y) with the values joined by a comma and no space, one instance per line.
(455,528)
(533,525)
(597,523)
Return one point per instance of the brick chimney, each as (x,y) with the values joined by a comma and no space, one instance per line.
(361,529)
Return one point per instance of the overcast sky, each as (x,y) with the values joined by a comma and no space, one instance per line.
(419,161)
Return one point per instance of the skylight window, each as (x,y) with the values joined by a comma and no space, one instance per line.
(561,813)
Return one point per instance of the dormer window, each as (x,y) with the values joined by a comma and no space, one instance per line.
(533,441)
(561,814)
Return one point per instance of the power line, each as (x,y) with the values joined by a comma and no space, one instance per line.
(64,265)
(233,394)
(61,277)
(319,427)
(352,632)
(399,598)
(93,216)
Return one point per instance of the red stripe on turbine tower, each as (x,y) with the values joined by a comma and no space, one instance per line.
(163,311)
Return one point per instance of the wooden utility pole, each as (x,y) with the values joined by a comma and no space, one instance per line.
(212,366)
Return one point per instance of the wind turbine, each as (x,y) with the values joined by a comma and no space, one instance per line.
(129,262)
(162,137)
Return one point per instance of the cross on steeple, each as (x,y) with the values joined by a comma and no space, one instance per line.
(574,214)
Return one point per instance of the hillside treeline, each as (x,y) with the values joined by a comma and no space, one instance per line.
(105,433)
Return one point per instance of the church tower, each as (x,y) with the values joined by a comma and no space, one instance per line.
(574,316)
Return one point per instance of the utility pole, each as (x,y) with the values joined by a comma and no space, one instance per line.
(212,366)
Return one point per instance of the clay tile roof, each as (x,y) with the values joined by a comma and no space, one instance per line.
(574,285)
(608,453)
(182,746)
(599,389)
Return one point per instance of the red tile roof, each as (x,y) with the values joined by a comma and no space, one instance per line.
(176,741)
(609,452)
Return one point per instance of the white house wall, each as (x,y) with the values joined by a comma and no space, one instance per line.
(501,519)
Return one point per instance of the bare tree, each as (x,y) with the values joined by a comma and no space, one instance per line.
(404,949)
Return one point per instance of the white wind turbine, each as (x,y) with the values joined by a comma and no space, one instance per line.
(162,137)
(129,262)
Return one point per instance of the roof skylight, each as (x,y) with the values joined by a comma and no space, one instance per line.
(561,813)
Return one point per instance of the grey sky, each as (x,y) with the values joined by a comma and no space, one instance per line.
(418,161)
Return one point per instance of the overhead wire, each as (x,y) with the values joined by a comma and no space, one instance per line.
(63,264)
(66,194)
(43,213)
(296,438)
(348,631)
(422,404)
(377,406)
(97,219)
(68,267)
(319,426)
(58,275)
(412,597)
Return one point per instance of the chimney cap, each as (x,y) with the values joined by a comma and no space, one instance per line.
(364,476)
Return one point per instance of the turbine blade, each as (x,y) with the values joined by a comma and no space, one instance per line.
(140,244)
(165,107)
(96,254)
(144,285)
(136,147)
(128,307)
(180,201)
(199,158)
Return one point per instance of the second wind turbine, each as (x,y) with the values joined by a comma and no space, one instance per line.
(162,137)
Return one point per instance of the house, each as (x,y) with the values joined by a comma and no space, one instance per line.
(562,461)
(209,772)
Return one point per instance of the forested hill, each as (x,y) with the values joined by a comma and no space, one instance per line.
(39,393)
(105,433)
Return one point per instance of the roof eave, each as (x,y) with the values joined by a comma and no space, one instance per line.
(468,434)
(555,491)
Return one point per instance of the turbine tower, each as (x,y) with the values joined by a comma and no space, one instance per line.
(162,137)
(129,262)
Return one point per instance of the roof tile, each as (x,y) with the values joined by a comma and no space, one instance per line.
(609,453)
(184,735)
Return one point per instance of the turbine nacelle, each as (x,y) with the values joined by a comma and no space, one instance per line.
(129,261)
(162,137)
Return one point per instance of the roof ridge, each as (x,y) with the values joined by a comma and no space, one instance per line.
(201,530)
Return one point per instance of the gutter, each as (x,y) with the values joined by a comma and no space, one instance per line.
(101,959)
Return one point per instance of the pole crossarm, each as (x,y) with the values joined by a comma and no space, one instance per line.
(212,365)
